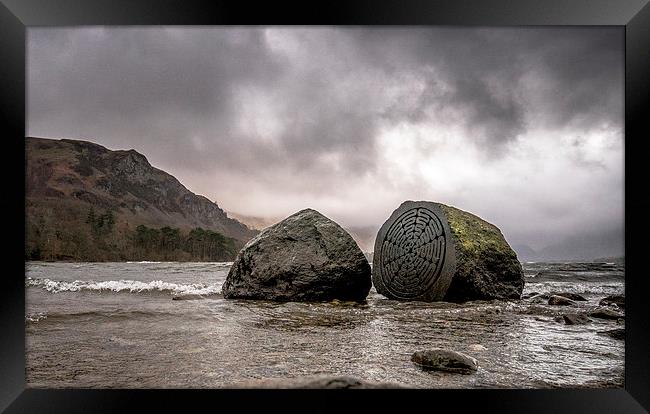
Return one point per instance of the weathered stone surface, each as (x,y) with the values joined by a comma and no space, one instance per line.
(560,301)
(618,300)
(575,319)
(305,257)
(605,313)
(429,251)
(569,295)
(445,360)
(324,382)
(614,333)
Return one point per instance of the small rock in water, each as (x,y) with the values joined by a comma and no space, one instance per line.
(575,319)
(560,301)
(323,382)
(605,313)
(569,295)
(539,298)
(477,347)
(529,295)
(614,333)
(618,300)
(445,360)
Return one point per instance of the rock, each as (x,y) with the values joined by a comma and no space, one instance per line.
(605,313)
(614,333)
(575,319)
(618,300)
(477,347)
(445,360)
(540,298)
(560,301)
(305,257)
(322,382)
(529,295)
(572,296)
(429,251)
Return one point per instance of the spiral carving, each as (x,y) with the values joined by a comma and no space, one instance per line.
(413,253)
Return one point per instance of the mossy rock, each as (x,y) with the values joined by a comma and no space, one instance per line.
(486,266)
(471,260)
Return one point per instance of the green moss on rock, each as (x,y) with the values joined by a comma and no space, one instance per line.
(486,266)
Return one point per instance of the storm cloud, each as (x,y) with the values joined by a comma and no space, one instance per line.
(522,126)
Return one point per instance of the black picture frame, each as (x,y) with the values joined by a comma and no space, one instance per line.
(17,15)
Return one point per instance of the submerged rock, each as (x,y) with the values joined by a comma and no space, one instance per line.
(445,360)
(539,298)
(575,319)
(429,251)
(529,295)
(324,382)
(614,333)
(572,296)
(192,296)
(605,313)
(618,300)
(560,301)
(305,257)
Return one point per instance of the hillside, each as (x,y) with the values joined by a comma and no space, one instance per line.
(85,202)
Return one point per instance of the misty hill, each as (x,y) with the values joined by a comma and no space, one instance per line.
(525,252)
(254,222)
(597,248)
(74,189)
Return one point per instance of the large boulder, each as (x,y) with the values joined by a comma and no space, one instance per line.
(305,257)
(430,251)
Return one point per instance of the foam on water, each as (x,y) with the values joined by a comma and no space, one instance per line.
(129,286)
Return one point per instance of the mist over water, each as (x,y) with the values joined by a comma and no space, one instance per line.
(105,325)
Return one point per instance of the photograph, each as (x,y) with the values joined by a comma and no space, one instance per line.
(435,207)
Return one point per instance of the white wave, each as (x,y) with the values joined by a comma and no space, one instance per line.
(131,286)
(145,261)
(35,317)
(579,288)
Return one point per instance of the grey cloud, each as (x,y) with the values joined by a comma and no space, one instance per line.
(304,116)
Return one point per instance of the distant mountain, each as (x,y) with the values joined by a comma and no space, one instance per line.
(586,247)
(257,223)
(524,252)
(68,181)
(364,236)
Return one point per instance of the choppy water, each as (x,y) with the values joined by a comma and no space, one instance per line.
(115,325)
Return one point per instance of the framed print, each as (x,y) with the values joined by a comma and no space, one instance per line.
(221,202)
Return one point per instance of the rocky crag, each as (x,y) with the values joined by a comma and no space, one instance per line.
(68,180)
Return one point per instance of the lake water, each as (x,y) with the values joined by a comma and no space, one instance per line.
(106,325)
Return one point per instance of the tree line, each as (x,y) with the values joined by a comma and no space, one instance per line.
(98,237)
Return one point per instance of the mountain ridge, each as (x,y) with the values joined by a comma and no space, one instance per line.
(66,178)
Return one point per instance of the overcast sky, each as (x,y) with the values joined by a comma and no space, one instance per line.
(522,126)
